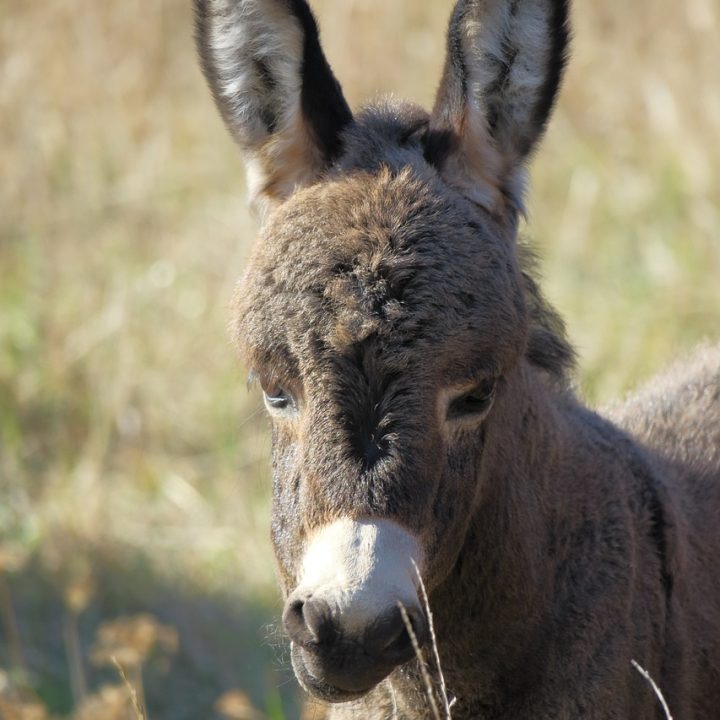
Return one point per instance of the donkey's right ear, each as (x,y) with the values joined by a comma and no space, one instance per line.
(274,89)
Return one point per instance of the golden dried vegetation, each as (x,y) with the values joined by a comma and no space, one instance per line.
(133,464)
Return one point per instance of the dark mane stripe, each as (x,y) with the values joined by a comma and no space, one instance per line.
(548,346)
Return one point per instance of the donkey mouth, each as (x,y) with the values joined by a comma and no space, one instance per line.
(338,677)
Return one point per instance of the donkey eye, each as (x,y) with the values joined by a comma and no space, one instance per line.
(278,399)
(474,403)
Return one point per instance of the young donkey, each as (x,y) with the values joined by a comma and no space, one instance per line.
(421,411)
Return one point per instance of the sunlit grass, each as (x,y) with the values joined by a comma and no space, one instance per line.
(125,427)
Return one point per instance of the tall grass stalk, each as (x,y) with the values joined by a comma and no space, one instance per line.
(71,637)
(654,686)
(447,705)
(9,621)
(135,694)
(421,661)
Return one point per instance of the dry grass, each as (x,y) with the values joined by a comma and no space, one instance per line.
(655,688)
(124,423)
(435,692)
(132,692)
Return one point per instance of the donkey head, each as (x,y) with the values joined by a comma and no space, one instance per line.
(384,310)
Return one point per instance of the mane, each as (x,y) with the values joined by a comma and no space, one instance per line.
(548,347)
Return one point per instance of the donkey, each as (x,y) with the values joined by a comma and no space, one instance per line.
(424,429)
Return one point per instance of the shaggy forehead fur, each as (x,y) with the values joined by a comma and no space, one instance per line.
(387,252)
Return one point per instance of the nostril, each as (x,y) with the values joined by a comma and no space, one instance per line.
(418,623)
(294,622)
(418,626)
(399,643)
(308,621)
(389,638)
(319,620)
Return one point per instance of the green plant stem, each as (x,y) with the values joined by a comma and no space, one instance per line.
(74,655)
(9,621)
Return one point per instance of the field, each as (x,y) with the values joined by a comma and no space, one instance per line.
(133,462)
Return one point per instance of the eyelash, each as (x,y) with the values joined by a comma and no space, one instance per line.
(474,403)
(278,399)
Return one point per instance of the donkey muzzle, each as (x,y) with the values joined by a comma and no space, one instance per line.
(345,621)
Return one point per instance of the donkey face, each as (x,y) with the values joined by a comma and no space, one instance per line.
(378,312)
(383,309)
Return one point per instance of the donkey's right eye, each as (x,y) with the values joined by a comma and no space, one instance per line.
(278,399)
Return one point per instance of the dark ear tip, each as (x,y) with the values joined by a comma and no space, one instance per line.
(323,102)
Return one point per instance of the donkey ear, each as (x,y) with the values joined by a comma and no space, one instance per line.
(505,60)
(274,89)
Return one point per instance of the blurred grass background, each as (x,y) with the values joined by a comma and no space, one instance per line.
(133,463)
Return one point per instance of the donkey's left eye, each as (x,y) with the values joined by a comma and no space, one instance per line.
(474,403)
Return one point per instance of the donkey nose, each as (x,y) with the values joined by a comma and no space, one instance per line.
(308,620)
(311,624)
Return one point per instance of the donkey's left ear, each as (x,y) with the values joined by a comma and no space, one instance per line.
(274,89)
(505,60)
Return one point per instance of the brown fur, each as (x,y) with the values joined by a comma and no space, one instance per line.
(558,545)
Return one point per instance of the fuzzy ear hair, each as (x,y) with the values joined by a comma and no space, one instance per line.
(505,60)
(274,89)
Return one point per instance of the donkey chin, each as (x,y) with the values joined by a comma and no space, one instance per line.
(351,618)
